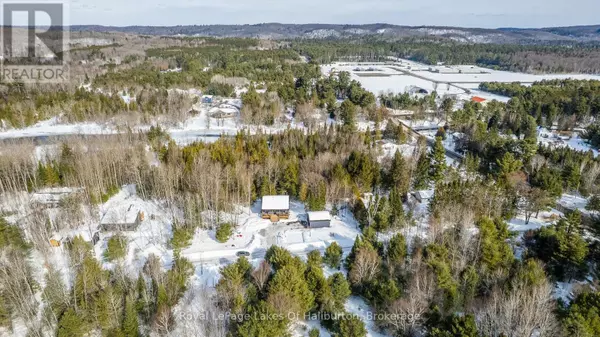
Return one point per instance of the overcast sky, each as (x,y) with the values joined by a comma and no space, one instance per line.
(463,13)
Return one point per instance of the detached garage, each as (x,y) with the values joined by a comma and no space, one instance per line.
(319,219)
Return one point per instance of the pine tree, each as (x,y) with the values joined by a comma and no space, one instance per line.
(495,252)
(399,174)
(397,249)
(438,161)
(396,209)
(72,324)
(142,304)
(333,255)
(348,115)
(289,281)
(421,176)
(401,136)
(340,291)
(383,215)
(289,179)
(317,283)
(358,243)
(351,326)
(90,281)
(130,322)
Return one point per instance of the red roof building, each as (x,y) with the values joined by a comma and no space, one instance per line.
(478,99)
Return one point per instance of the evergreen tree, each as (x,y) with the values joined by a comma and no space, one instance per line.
(130,322)
(399,176)
(421,175)
(396,252)
(401,137)
(340,291)
(289,281)
(263,321)
(348,115)
(594,204)
(351,326)
(438,161)
(288,184)
(582,318)
(116,248)
(383,216)
(316,200)
(314,258)
(562,247)
(72,324)
(317,283)
(495,252)
(314,332)
(333,255)
(456,326)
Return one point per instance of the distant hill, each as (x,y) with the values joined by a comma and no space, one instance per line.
(576,34)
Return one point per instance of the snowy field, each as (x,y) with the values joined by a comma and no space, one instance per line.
(388,78)
(402,75)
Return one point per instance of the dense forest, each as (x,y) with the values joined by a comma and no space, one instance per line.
(523,58)
(431,280)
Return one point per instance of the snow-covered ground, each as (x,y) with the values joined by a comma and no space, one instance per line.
(545,218)
(402,75)
(255,235)
(573,141)
(574,202)
(52,127)
(152,235)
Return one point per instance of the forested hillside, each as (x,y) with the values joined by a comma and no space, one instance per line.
(445,215)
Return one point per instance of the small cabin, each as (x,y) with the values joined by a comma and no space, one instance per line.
(126,218)
(275,207)
(319,219)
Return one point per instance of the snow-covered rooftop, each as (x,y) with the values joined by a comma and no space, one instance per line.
(425,194)
(319,216)
(53,195)
(121,214)
(275,202)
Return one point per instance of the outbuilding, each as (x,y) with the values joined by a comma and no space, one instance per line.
(318,219)
(275,207)
(424,195)
(478,99)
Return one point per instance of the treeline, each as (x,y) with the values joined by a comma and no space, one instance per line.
(324,166)
(566,102)
(26,105)
(200,64)
(523,58)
